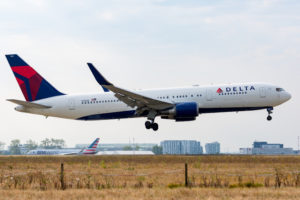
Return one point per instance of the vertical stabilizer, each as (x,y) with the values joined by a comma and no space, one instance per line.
(92,149)
(33,86)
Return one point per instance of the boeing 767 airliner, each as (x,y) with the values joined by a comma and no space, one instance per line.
(179,104)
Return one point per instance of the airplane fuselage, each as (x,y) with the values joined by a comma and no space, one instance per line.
(210,99)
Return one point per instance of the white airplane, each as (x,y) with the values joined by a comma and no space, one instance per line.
(90,150)
(179,104)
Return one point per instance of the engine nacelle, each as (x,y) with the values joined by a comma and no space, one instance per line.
(182,112)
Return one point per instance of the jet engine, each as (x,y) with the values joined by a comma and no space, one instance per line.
(187,111)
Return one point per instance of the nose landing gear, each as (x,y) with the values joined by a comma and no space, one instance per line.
(270,111)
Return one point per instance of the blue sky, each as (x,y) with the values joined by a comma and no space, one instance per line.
(151,44)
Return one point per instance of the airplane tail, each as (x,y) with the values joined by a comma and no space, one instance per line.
(33,86)
(92,148)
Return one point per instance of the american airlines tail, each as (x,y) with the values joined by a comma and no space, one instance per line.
(92,149)
(33,86)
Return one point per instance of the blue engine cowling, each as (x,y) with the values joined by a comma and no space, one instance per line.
(187,111)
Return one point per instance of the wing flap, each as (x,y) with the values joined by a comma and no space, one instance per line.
(130,102)
(28,104)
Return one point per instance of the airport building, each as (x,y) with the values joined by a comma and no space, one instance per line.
(264,148)
(212,148)
(246,151)
(181,147)
(23,148)
(125,153)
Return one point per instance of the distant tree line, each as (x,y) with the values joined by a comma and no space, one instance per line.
(16,148)
(131,148)
(157,150)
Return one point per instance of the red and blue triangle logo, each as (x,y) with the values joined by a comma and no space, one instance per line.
(219,90)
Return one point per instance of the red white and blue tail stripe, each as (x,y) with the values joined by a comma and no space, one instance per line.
(92,149)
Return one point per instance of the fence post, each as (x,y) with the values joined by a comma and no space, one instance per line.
(186,184)
(62,176)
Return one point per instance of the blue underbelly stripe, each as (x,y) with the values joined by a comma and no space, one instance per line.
(114,115)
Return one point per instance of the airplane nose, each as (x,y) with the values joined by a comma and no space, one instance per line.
(286,96)
(289,96)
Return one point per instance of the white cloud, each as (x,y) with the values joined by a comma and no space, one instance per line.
(107,16)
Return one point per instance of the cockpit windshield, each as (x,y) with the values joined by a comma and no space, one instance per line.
(279,89)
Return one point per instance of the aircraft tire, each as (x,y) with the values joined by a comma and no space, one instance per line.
(148,125)
(155,126)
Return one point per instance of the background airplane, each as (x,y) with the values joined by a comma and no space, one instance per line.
(92,149)
(179,104)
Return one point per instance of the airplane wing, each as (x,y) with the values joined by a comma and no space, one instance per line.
(28,104)
(130,98)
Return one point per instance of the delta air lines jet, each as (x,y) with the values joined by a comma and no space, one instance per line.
(179,104)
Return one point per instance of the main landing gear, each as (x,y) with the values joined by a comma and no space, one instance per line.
(152,125)
(270,111)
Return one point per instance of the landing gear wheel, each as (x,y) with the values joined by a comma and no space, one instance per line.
(155,126)
(270,111)
(148,125)
(152,125)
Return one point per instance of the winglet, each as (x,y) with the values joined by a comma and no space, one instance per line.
(105,89)
(99,78)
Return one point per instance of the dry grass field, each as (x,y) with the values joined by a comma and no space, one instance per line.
(149,177)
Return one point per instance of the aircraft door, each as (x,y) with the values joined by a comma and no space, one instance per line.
(209,96)
(262,92)
(71,104)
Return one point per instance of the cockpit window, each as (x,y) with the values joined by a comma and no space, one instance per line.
(279,89)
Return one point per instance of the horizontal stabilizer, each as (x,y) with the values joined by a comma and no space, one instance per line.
(28,104)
